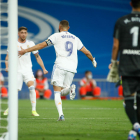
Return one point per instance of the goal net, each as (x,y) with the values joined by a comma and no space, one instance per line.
(8,39)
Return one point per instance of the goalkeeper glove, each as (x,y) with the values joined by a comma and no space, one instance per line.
(94,63)
(113,75)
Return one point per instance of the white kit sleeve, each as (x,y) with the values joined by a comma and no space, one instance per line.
(79,44)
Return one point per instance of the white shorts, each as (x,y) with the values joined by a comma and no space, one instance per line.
(61,78)
(26,77)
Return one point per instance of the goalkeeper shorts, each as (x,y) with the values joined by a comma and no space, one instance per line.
(130,85)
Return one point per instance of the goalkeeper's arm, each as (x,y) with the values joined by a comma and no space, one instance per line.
(110,65)
(115,49)
(113,75)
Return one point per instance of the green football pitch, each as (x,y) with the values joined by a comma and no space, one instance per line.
(84,120)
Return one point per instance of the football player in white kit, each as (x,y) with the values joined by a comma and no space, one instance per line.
(25,67)
(66,46)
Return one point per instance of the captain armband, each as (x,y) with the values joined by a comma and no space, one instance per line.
(49,42)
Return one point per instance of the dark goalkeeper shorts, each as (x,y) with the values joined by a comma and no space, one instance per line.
(130,85)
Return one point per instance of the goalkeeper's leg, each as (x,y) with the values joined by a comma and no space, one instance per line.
(130,111)
(132,115)
(138,106)
(129,90)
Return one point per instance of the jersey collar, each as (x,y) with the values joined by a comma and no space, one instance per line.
(24,42)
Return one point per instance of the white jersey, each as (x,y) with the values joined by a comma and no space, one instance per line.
(66,46)
(24,61)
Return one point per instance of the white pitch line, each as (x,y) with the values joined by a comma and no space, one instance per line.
(76,119)
(80,108)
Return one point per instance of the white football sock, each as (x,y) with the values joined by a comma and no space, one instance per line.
(136,126)
(58,102)
(65,91)
(133,132)
(33,97)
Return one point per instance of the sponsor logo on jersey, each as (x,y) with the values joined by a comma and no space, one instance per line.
(131,52)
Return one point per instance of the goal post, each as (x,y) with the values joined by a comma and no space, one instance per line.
(13,57)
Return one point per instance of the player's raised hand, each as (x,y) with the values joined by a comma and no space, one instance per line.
(45,71)
(22,52)
(94,63)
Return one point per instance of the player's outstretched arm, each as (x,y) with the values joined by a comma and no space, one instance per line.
(6,63)
(34,48)
(113,75)
(89,55)
(40,62)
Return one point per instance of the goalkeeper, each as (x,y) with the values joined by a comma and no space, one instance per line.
(127,44)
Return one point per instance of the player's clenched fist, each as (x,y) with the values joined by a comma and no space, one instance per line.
(45,71)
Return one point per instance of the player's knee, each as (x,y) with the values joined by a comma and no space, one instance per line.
(31,88)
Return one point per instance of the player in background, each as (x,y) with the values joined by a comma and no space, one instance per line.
(127,44)
(25,67)
(66,46)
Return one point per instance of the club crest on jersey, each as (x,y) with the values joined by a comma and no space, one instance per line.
(28,46)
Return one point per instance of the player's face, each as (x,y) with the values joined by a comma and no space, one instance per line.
(22,35)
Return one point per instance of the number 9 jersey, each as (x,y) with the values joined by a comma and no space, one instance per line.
(127,31)
(66,46)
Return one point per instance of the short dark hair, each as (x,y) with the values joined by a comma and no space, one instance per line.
(135,3)
(64,23)
(22,28)
(87,71)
